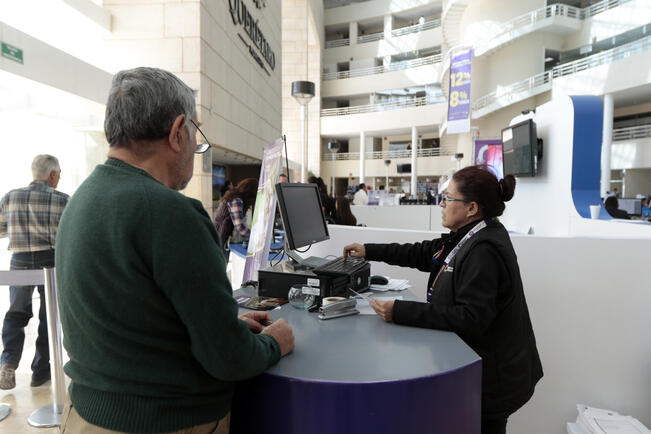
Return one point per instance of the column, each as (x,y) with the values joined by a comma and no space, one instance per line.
(414,154)
(606,143)
(352,32)
(362,155)
(388,26)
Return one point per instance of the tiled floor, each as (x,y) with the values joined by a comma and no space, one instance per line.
(24,399)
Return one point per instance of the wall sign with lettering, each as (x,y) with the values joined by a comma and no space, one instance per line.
(242,16)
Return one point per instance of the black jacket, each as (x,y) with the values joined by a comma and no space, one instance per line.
(480,298)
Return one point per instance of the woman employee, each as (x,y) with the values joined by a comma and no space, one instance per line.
(474,290)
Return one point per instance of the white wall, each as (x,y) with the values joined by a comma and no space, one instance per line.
(379,122)
(637,181)
(589,312)
(418,76)
(385,47)
(372,9)
(617,20)
(631,154)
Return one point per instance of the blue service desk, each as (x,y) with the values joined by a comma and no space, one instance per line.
(359,374)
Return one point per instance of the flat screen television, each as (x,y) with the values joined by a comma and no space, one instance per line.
(520,149)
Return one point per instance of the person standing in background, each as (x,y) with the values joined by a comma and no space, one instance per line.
(360,197)
(229,218)
(30,218)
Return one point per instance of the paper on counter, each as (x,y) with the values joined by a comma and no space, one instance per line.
(392,285)
(365,309)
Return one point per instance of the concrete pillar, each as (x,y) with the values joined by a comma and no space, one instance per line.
(362,155)
(352,32)
(414,155)
(388,26)
(303,143)
(606,143)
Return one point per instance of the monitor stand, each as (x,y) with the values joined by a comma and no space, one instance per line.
(295,262)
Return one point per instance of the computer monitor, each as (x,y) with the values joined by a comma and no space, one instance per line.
(300,207)
(520,149)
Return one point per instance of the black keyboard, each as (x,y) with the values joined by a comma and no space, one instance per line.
(339,267)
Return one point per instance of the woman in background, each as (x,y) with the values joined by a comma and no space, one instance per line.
(232,208)
(344,215)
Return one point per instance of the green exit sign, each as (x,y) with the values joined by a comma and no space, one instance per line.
(12,53)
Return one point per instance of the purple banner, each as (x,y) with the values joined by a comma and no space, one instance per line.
(265,211)
(459,93)
(489,152)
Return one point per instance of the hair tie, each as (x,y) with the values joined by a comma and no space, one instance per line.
(501,184)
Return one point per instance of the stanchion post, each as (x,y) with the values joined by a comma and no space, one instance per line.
(50,415)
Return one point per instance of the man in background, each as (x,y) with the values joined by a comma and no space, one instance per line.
(360,197)
(30,217)
(147,311)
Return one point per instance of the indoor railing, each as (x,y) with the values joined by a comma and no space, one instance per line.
(383,155)
(534,16)
(362,39)
(639,132)
(329,4)
(397,66)
(393,105)
(602,58)
(337,43)
(416,28)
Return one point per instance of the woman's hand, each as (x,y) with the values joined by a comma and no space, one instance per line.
(256,320)
(383,308)
(354,250)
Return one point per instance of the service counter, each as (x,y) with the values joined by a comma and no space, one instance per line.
(359,374)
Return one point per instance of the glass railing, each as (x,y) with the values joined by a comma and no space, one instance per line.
(639,132)
(509,94)
(383,155)
(337,43)
(394,105)
(329,4)
(509,28)
(362,39)
(397,66)
(416,28)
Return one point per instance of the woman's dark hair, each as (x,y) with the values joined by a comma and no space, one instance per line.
(344,214)
(246,189)
(611,202)
(477,184)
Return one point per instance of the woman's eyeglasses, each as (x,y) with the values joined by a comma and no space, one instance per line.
(445,198)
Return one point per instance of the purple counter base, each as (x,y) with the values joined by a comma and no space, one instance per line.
(447,403)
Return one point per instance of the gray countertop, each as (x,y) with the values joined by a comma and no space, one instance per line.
(364,348)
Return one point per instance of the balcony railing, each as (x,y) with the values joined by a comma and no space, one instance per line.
(362,39)
(605,57)
(416,28)
(639,132)
(397,66)
(509,28)
(394,105)
(329,4)
(337,43)
(383,155)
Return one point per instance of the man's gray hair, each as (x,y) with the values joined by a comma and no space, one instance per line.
(143,103)
(42,165)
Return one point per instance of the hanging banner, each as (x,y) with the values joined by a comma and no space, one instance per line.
(488,152)
(459,94)
(265,211)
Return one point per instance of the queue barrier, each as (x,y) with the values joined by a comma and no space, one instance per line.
(49,415)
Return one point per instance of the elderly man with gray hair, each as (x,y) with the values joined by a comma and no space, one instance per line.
(29,217)
(147,311)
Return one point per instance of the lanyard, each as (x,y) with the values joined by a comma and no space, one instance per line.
(478,227)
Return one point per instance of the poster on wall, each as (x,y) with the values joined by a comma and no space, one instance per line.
(489,152)
(459,94)
(265,211)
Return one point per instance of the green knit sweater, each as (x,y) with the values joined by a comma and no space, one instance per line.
(148,316)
